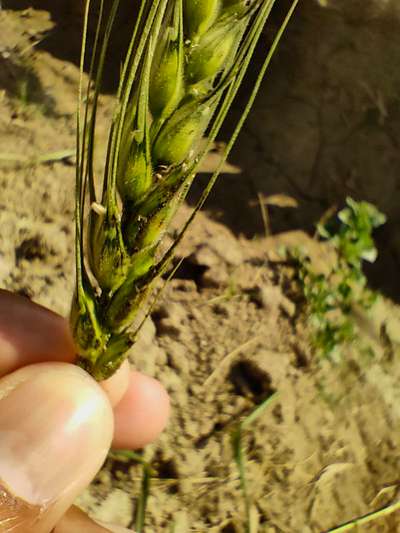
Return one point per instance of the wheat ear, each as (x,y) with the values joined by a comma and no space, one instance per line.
(183,68)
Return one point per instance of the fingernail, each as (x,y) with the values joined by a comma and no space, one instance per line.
(55,431)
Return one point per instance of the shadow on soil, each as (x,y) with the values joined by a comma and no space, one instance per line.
(306,136)
(19,80)
(64,40)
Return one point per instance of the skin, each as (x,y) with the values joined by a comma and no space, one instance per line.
(57,423)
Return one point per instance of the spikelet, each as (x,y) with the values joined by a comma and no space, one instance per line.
(135,170)
(181,133)
(200,16)
(167,74)
(108,258)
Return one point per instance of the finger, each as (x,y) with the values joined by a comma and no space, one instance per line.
(116,386)
(30,333)
(142,413)
(56,426)
(76,520)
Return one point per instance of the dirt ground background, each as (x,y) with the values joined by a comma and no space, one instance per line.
(232,332)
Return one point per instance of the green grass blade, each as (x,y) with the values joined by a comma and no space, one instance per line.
(258,411)
(140,514)
(129,455)
(239,456)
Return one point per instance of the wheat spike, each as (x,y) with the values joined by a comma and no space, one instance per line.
(183,68)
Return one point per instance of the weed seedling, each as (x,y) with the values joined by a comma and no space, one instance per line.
(332,298)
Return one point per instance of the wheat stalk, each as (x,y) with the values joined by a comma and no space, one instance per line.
(184,65)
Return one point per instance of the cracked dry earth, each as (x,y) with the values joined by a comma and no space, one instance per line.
(230,329)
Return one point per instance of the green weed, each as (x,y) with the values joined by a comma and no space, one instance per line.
(332,298)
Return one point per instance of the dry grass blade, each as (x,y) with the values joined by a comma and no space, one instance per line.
(366,519)
(226,362)
(41,159)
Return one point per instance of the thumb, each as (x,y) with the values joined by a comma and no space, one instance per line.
(56,426)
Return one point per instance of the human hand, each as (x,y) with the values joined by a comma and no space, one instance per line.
(57,424)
